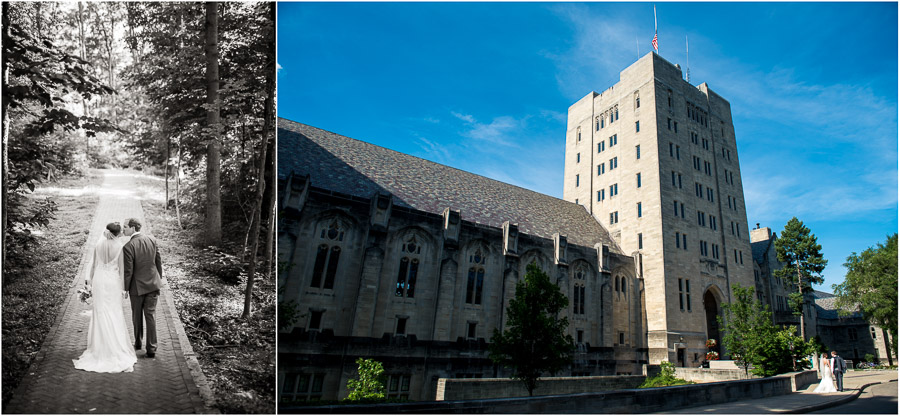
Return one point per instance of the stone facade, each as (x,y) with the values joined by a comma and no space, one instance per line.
(412,263)
(654,159)
(851,336)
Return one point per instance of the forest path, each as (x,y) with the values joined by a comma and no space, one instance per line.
(172,382)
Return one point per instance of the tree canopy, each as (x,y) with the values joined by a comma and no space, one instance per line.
(801,255)
(752,338)
(535,340)
(870,286)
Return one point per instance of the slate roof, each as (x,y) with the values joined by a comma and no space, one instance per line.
(826,306)
(354,167)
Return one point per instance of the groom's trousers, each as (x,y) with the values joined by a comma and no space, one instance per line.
(143,307)
(839,380)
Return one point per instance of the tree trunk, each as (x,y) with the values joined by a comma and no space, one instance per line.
(802,302)
(887,347)
(5,115)
(213,148)
(268,114)
(84,106)
(272,200)
(178,186)
(270,238)
(168,158)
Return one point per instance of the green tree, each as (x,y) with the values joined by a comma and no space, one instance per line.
(803,263)
(747,323)
(535,340)
(871,287)
(370,385)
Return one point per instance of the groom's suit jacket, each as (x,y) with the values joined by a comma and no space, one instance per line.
(143,265)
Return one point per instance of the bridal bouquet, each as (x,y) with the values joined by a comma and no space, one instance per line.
(84,295)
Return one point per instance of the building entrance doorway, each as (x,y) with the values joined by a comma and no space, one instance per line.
(711,307)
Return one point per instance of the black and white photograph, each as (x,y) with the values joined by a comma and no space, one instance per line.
(138,207)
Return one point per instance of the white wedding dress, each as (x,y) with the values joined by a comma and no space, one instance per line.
(827,383)
(109,348)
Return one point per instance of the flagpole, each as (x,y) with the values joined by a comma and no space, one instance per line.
(655,30)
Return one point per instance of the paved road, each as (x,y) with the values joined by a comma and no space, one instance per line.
(878,399)
(170,383)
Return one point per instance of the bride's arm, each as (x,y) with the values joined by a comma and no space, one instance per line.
(90,277)
(121,267)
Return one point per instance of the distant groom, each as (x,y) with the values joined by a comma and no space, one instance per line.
(838,367)
(143,280)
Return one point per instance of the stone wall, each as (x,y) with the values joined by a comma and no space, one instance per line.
(621,401)
(706,375)
(489,388)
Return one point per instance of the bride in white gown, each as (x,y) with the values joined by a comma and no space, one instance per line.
(109,348)
(827,383)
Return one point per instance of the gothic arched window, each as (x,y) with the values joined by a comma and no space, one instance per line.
(475,283)
(579,292)
(409,268)
(328,255)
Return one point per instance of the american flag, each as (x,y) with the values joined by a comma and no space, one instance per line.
(654,43)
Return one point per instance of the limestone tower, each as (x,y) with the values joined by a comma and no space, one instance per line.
(654,159)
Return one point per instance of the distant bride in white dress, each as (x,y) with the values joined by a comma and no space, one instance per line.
(109,348)
(827,383)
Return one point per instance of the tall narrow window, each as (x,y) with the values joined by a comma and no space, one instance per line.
(639,209)
(475,284)
(681,294)
(637,151)
(677,239)
(640,241)
(687,286)
(577,180)
(315,320)
(470,332)
(578,158)
(579,133)
(409,268)
(401,326)
(637,126)
(638,180)
(578,293)
(327,257)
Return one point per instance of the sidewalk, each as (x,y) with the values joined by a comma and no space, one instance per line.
(170,383)
(802,401)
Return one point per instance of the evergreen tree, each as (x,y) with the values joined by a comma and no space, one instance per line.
(535,340)
(871,287)
(803,264)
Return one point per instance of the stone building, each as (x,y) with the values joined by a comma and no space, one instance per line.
(654,159)
(413,263)
(851,335)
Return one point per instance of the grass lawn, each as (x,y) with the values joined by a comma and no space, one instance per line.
(237,356)
(36,281)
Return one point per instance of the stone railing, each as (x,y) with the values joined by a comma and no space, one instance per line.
(489,388)
(660,399)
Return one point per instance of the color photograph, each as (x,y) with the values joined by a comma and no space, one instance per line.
(564,207)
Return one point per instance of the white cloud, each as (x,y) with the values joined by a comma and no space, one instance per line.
(500,131)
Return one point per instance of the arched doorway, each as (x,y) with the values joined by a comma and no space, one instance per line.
(711,307)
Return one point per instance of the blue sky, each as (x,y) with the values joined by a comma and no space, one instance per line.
(485,88)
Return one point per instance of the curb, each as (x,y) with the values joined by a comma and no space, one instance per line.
(837,402)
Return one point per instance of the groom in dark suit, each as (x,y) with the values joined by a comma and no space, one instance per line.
(838,367)
(143,280)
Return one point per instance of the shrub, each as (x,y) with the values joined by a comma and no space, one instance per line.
(370,385)
(666,377)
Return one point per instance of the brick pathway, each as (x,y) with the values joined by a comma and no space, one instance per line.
(170,383)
